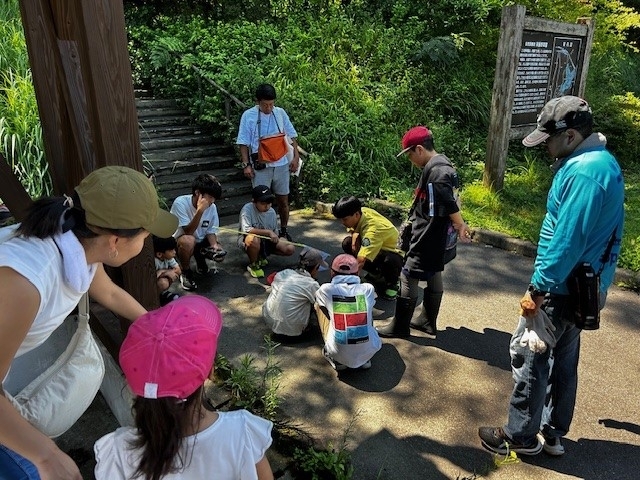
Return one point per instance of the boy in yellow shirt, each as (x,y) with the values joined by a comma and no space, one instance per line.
(372,240)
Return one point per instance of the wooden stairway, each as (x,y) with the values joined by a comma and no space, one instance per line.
(178,150)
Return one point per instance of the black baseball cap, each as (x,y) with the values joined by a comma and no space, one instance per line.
(262,193)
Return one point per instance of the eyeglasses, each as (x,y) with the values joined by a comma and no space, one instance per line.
(553,135)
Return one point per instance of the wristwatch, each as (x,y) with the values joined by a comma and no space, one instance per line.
(535,292)
(245,165)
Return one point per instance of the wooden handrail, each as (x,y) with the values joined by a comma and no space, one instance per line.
(238,102)
(235,99)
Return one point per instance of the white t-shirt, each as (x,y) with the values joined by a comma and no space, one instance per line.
(185,211)
(287,308)
(276,122)
(227,450)
(40,262)
(351,339)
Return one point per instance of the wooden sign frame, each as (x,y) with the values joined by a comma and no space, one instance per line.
(538,59)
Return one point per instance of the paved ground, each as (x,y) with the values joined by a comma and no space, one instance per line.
(416,411)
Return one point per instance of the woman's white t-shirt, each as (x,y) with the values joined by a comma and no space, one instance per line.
(40,262)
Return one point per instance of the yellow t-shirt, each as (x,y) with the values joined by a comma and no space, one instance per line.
(376,233)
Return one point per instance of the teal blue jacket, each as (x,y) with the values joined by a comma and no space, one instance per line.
(584,206)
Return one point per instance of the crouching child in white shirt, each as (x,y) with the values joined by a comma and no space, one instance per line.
(287,309)
(345,314)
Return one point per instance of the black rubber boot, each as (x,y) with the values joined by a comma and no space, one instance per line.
(399,325)
(430,309)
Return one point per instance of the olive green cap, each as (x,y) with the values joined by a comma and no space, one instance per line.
(118,197)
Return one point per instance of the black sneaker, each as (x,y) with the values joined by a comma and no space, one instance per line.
(495,440)
(187,282)
(201,266)
(284,234)
(217,255)
(167,296)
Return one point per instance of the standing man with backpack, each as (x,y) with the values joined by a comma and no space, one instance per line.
(269,149)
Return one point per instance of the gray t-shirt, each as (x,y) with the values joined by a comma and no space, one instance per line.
(251,218)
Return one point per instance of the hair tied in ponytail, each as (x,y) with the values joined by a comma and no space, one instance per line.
(67,220)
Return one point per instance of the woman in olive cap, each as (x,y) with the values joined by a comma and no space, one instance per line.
(46,264)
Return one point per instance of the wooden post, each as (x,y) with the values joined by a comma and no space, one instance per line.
(587,53)
(83,83)
(12,192)
(59,145)
(503,92)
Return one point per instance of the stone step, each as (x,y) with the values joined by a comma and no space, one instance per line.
(140,93)
(190,153)
(143,103)
(160,112)
(172,167)
(173,142)
(170,130)
(150,122)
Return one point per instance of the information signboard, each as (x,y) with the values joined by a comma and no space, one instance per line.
(549,67)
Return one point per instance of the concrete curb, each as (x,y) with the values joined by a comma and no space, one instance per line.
(623,277)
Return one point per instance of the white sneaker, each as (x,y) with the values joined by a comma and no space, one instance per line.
(552,445)
(338,367)
(366,365)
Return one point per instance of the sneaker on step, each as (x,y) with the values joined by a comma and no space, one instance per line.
(495,440)
(552,445)
(255,270)
(262,262)
(187,282)
(338,367)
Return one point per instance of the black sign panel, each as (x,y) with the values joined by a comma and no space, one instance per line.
(549,66)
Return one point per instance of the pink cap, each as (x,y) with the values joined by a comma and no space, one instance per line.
(414,137)
(345,264)
(169,352)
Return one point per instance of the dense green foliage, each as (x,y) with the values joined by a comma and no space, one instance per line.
(20,131)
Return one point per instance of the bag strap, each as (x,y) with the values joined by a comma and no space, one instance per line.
(258,122)
(607,252)
(276,119)
(83,310)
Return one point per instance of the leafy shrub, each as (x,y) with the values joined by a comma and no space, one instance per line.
(329,464)
(20,131)
(251,388)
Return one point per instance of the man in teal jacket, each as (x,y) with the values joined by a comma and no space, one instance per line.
(584,220)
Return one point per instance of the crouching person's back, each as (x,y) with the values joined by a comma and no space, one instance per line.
(345,314)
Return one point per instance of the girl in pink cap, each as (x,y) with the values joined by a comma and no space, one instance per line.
(166,357)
